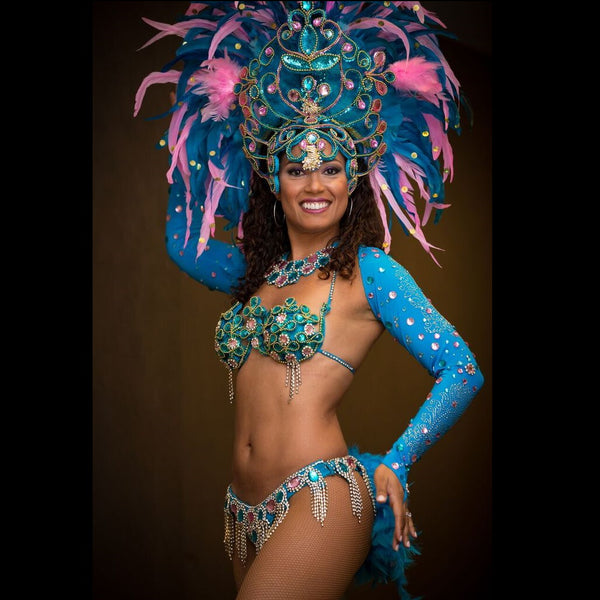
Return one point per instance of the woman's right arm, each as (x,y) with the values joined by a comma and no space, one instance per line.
(220,265)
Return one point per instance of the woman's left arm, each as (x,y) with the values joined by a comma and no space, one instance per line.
(400,305)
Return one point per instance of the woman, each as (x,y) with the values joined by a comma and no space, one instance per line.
(282,126)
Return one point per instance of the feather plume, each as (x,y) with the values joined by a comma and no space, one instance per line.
(217,80)
(416,75)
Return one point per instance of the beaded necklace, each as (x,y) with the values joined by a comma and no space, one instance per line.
(285,272)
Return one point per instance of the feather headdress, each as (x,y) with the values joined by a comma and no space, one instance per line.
(258,77)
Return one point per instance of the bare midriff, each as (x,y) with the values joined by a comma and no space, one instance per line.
(275,435)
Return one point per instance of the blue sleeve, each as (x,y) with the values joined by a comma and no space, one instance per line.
(400,305)
(220,266)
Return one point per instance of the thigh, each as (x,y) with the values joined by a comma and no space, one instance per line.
(306,559)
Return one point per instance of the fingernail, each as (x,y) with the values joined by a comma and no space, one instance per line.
(381,498)
(396,547)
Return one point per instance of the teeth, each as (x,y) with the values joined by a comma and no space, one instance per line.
(314,205)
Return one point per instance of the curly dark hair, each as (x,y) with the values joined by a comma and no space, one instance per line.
(265,241)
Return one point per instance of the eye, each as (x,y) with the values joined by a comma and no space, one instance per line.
(332,170)
(295,172)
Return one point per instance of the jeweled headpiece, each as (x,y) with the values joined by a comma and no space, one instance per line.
(367,79)
(311,84)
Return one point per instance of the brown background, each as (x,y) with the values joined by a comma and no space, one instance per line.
(161,418)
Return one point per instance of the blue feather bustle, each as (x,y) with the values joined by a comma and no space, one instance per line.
(384,564)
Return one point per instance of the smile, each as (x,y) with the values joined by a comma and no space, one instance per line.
(315,205)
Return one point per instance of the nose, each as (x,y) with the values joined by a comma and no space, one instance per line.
(313,181)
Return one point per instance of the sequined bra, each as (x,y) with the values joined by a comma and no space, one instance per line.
(288,333)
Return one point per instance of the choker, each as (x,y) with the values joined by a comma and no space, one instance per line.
(285,272)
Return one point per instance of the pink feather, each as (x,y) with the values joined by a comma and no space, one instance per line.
(416,75)
(217,81)
(171,76)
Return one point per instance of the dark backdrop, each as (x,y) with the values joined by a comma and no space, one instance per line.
(161,418)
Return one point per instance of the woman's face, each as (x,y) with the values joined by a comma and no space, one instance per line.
(313,201)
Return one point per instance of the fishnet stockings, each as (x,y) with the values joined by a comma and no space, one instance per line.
(304,560)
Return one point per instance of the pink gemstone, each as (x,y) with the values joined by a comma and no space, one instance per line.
(317,21)
(435,346)
(262,111)
(410,321)
(349,84)
(374,143)
(233,508)
(395,465)
(178,208)
(270,506)
(296,26)
(351,462)
(361,104)
(456,344)
(271,88)
(347,47)
(293,483)
(321,144)
(252,146)
(303,144)
(269,51)
(250,517)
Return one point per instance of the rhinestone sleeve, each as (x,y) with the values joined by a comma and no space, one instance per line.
(400,305)
(220,266)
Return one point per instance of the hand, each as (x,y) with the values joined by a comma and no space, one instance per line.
(388,485)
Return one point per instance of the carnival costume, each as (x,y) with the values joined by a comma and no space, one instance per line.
(368,80)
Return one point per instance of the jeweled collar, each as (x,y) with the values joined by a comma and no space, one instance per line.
(285,272)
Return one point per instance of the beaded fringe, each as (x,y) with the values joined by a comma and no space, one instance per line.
(293,377)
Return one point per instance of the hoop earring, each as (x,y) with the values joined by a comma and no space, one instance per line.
(351,207)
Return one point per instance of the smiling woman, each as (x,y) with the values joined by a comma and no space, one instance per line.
(304,140)
(321,193)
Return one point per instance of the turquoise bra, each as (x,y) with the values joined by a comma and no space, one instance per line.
(288,333)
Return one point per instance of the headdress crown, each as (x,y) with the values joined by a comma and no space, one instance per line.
(309,84)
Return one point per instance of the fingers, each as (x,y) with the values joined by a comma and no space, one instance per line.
(389,488)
